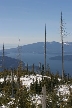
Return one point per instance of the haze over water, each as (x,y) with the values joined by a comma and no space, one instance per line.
(55,65)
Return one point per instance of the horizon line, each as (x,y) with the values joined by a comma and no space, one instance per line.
(30,43)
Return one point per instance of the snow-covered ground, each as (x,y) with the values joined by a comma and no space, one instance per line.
(28,79)
(63,90)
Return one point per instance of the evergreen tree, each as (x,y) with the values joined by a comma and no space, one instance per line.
(42,73)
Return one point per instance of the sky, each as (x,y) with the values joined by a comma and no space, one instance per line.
(26,19)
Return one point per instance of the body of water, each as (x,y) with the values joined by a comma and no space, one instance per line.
(55,65)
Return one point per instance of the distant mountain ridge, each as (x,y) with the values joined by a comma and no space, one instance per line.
(52,47)
(9,62)
(13,63)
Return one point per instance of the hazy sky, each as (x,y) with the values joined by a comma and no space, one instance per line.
(25,19)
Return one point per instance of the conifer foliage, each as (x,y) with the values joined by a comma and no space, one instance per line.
(21,97)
